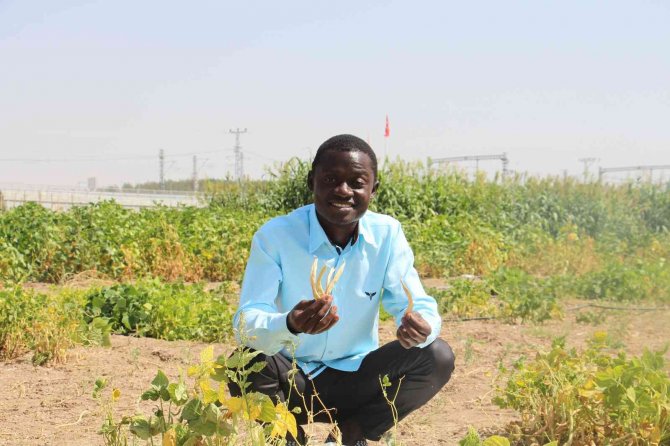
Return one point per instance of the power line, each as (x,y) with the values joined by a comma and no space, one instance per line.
(114,158)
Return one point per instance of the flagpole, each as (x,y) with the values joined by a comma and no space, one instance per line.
(386,151)
(387,133)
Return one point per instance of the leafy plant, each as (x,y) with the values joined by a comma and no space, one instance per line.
(46,326)
(589,397)
(164,311)
(203,412)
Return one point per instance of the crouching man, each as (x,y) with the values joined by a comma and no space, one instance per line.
(333,338)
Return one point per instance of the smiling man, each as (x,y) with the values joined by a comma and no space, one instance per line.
(334,339)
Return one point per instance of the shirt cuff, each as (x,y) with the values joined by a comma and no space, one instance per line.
(435,327)
(278,325)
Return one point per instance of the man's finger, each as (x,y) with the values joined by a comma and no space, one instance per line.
(414,334)
(328,321)
(315,323)
(315,306)
(321,313)
(401,334)
(320,325)
(417,322)
(333,321)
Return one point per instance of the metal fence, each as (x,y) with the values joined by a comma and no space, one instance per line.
(60,198)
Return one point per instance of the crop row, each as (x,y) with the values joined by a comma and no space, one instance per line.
(456,226)
(48,324)
(564,396)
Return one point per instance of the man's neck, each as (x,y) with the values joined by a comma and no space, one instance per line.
(340,235)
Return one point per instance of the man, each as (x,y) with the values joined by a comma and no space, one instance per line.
(334,339)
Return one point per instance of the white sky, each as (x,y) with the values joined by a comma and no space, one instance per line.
(96,88)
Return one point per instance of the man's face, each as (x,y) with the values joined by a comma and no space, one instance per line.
(343,184)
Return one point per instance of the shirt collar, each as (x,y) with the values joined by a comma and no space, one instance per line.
(365,232)
(317,236)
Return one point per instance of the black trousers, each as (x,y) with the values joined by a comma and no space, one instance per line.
(338,396)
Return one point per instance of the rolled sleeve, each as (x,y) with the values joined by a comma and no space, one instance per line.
(258,322)
(394,300)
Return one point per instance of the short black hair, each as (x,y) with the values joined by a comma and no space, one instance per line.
(345,143)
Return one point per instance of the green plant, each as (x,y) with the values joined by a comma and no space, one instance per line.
(391,437)
(589,397)
(472,438)
(165,311)
(112,431)
(591,317)
(203,412)
(46,326)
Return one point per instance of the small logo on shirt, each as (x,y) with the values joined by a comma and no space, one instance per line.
(370,295)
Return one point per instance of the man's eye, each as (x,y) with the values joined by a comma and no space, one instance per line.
(329,180)
(358,184)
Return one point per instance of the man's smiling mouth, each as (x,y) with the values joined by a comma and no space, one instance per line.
(341,204)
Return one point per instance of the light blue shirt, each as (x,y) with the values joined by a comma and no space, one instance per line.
(277,277)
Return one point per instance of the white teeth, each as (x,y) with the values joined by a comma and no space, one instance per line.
(342,205)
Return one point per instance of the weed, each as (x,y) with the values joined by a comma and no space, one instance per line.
(591,317)
(391,437)
(112,431)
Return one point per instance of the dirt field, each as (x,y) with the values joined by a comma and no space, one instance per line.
(53,405)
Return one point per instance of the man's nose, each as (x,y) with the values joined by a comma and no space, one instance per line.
(343,189)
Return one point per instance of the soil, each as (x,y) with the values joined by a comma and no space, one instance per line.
(53,405)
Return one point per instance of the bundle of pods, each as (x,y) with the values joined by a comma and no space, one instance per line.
(317,290)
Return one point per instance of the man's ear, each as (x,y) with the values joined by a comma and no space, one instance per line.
(374,189)
(310,180)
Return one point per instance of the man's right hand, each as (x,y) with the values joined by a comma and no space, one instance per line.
(313,316)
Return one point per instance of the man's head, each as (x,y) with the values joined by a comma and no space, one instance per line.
(343,179)
(345,143)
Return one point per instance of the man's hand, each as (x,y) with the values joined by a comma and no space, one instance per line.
(413,330)
(313,316)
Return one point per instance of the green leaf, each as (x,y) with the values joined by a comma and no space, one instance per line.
(178,393)
(125,321)
(471,438)
(240,358)
(268,413)
(140,428)
(211,413)
(496,440)
(258,367)
(203,427)
(152,395)
(192,410)
(160,381)
(164,394)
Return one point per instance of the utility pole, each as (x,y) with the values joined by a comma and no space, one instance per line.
(195,173)
(161,162)
(587,162)
(477,158)
(239,156)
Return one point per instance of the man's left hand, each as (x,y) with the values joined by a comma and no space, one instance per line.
(413,330)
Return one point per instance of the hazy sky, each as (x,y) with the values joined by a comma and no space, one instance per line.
(96,88)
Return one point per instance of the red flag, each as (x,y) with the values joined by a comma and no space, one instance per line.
(387,130)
